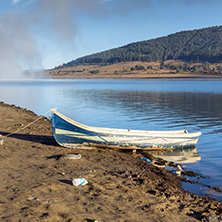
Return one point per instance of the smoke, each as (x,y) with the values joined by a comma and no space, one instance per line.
(18,41)
(31,20)
(15,1)
(16,44)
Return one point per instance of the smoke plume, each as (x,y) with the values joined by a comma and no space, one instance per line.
(31,20)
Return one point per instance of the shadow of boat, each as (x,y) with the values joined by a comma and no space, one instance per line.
(42,139)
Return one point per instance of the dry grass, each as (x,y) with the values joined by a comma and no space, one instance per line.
(123,70)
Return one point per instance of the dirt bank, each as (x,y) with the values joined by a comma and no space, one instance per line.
(36,181)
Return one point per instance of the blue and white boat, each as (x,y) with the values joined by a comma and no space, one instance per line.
(69,133)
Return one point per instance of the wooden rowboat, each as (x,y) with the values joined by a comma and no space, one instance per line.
(69,133)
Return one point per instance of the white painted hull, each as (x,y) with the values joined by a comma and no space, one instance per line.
(69,133)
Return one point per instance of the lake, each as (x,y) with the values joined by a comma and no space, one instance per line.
(145,105)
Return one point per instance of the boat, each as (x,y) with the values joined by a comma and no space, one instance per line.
(69,133)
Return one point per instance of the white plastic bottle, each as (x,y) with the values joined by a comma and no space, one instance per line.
(1,140)
(79,182)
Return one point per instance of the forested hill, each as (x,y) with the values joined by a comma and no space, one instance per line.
(202,45)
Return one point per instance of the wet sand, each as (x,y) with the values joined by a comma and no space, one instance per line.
(36,181)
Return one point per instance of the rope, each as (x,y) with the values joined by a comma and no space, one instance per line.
(27,125)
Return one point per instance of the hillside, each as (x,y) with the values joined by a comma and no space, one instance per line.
(202,45)
(196,53)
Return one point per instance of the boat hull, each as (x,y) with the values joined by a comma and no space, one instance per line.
(69,133)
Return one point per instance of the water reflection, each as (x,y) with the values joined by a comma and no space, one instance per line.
(169,109)
(184,155)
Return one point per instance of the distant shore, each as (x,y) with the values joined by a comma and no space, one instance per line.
(142,77)
(136,70)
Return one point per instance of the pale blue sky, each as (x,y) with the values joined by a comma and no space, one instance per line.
(46,33)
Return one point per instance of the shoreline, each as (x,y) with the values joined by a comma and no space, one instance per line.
(160,77)
(37,184)
(136,69)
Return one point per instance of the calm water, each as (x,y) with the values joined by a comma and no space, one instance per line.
(153,105)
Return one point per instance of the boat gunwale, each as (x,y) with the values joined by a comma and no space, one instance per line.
(128,132)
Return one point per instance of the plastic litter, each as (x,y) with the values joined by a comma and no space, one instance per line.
(178,172)
(143,158)
(72,156)
(126,174)
(179,168)
(1,140)
(79,182)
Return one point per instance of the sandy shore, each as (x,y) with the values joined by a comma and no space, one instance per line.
(36,181)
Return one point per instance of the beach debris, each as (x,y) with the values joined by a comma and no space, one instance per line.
(37,199)
(95,220)
(179,170)
(212,218)
(126,174)
(31,198)
(48,201)
(79,182)
(1,140)
(143,158)
(71,156)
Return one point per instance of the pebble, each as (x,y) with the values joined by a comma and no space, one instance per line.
(31,198)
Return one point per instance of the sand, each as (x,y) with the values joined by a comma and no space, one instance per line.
(36,181)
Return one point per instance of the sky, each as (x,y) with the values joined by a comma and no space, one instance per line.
(42,34)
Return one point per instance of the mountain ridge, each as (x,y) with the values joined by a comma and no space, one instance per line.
(199,45)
